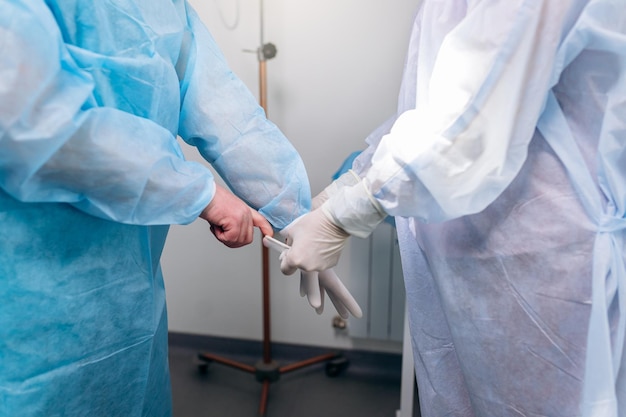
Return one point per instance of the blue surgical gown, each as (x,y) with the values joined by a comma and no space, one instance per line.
(93,95)
(505,167)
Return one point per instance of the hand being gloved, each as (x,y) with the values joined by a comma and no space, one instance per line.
(317,238)
(316,243)
(311,285)
(314,285)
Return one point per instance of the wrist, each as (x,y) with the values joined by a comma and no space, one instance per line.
(355,210)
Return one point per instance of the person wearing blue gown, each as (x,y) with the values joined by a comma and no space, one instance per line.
(505,169)
(93,96)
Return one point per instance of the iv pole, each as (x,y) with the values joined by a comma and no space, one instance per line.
(268,370)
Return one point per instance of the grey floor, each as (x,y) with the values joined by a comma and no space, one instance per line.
(368,387)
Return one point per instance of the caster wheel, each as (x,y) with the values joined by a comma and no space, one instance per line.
(336,366)
(202,363)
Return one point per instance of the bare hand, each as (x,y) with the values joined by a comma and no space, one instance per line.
(233,221)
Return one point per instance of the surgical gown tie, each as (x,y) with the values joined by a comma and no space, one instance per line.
(604,351)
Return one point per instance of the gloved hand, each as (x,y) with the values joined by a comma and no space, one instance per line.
(318,243)
(309,282)
(317,238)
(314,285)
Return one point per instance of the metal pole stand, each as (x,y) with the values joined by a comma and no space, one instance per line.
(267,370)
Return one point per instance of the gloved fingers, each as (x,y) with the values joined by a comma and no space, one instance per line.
(336,290)
(320,309)
(285,267)
(310,286)
(303,286)
(316,243)
(339,306)
(286,234)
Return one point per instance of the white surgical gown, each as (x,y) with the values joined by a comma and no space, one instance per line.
(93,95)
(506,169)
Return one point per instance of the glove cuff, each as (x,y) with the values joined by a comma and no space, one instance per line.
(355,210)
(347,179)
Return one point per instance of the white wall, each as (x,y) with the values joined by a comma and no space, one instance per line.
(335,78)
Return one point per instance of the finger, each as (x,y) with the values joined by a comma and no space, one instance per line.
(220,235)
(339,306)
(231,237)
(302,284)
(311,285)
(214,229)
(261,222)
(347,300)
(248,231)
(339,291)
(320,309)
(286,267)
(233,244)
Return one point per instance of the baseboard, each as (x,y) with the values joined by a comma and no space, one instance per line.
(362,362)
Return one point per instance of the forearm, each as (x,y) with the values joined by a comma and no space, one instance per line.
(224,121)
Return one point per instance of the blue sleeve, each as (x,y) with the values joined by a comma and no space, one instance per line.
(58,145)
(225,122)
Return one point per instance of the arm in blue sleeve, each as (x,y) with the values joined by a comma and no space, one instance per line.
(57,146)
(223,120)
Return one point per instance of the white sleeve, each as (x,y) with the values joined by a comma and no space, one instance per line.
(467,139)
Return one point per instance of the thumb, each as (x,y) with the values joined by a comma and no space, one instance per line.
(261,222)
(285,267)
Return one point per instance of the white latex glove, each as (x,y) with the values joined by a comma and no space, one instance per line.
(309,282)
(355,210)
(317,238)
(316,243)
(314,285)
(329,283)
